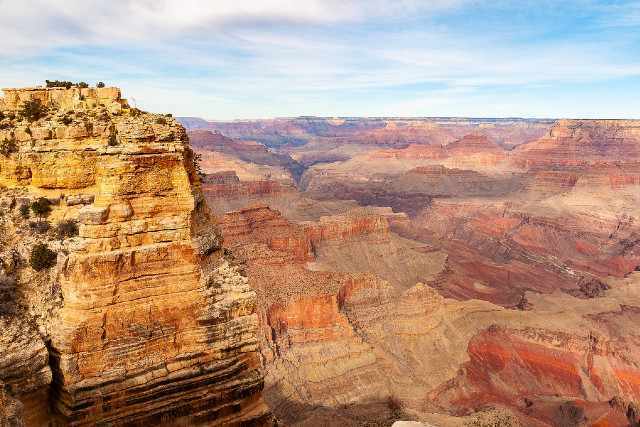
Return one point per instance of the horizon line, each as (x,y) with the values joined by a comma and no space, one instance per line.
(508,118)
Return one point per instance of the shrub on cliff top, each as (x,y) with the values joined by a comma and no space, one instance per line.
(42,257)
(32,110)
(100,85)
(59,83)
(196,163)
(113,139)
(83,85)
(7,147)
(68,228)
(24,210)
(40,227)
(41,207)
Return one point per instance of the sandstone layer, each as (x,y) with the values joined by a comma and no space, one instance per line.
(156,325)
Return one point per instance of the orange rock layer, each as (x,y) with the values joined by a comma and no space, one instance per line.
(157,326)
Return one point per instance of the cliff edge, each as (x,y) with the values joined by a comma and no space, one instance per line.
(121,306)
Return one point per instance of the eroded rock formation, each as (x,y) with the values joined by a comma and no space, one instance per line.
(525,238)
(155,325)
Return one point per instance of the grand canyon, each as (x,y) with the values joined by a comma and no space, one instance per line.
(314,271)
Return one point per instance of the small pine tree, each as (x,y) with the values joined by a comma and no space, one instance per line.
(100,85)
(196,163)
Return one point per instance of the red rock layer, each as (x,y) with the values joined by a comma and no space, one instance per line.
(348,226)
(528,369)
(582,142)
(259,224)
(469,145)
(245,188)
(501,251)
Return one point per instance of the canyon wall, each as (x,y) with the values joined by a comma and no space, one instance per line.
(456,272)
(152,323)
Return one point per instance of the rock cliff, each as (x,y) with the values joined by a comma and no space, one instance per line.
(152,323)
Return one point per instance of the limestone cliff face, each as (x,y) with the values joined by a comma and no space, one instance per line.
(156,325)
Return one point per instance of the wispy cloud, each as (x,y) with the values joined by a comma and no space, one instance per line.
(37,24)
(282,57)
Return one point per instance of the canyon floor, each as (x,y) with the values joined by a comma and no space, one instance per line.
(448,271)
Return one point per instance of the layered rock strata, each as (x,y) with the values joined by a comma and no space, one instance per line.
(157,326)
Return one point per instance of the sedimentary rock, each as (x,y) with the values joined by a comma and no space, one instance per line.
(527,255)
(25,374)
(582,142)
(374,131)
(157,326)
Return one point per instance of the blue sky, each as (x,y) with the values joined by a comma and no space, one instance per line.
(223,59)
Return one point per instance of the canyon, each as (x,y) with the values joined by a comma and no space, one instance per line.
(448,271)
(314,271)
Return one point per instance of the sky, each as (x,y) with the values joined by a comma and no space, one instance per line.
(238,59)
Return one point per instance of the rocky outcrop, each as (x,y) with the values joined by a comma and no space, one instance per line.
(347,226)
(65,99)
(582,142)
(25,374)
(260,224)
(156,325)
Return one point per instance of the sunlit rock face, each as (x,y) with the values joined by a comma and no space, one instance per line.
(153,323)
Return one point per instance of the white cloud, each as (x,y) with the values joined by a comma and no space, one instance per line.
(272,57)
(38,24)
